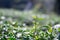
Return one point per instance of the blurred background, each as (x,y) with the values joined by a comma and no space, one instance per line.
(40,5)
(27,8)
(22,10)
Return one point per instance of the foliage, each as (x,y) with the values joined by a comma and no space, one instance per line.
(13,31)
(41,28)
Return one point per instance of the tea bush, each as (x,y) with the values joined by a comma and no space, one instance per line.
(42,27)
(13,31)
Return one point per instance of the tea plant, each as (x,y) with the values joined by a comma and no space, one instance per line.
(13,31)
(40,29)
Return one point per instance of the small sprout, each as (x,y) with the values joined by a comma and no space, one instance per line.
(50,29)
(34,17)
(48,32)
